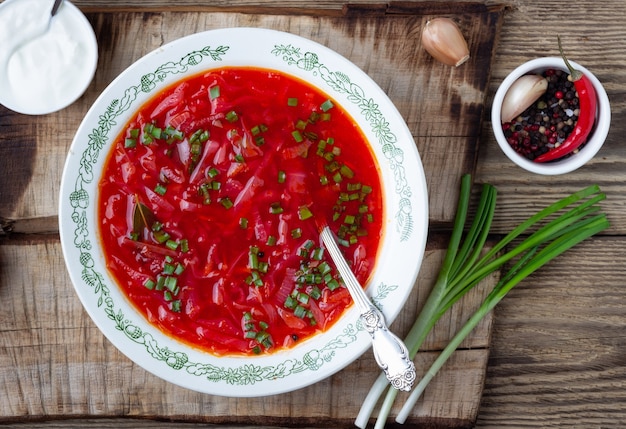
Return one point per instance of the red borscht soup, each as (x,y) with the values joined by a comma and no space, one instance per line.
(210,205)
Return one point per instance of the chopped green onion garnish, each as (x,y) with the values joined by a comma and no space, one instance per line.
(332,166)
(317,254)
(243,222)
(326,106)
(275,208)
(232,116)
(160,189)
(160,283)
(297,136)
(300,312)
(200,136)
(346,172)
(296,233)
(168,268)
(304,213)
(179,269)
(303,298)
(214,92)
(130,143)
(290,303)
(173,134)
(324,268)
(161,236)
(149,284)
(253,258)
(281,176)
(293,102)
(315,293)
(156,132)
(175,306)
(226,202)
(332,284)
(170,283)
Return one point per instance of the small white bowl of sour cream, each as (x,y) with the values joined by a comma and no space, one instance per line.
(45,64)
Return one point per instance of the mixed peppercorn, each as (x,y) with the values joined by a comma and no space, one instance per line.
(547,122)
(558,124)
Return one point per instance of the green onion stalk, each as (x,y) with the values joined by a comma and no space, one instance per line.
(548,233)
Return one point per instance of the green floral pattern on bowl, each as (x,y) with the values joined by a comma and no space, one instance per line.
(123,325)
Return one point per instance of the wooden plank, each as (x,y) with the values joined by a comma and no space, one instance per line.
(321,7)
(558,345)
(57,364)
(558,341)
(524,37)
(443,106)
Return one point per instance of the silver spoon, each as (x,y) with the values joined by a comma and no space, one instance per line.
(390,352)
(55,7)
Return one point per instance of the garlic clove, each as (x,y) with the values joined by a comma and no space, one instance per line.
(442,39)
(523,93)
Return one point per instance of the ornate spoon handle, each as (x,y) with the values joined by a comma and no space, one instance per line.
(390,352)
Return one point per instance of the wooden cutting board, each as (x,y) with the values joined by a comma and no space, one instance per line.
(56,364)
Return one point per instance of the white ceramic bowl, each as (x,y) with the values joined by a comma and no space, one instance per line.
(45,64)
(405,207)
(595,140)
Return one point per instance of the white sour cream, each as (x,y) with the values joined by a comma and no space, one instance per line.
(45,65)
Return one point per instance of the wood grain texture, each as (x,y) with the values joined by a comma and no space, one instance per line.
(559,342)
(525,36)
(558,352)
(55,363)
(557,356)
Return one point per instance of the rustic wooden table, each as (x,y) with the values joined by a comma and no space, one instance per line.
(552,354)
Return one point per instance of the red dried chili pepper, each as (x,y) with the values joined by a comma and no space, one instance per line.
(587,102)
